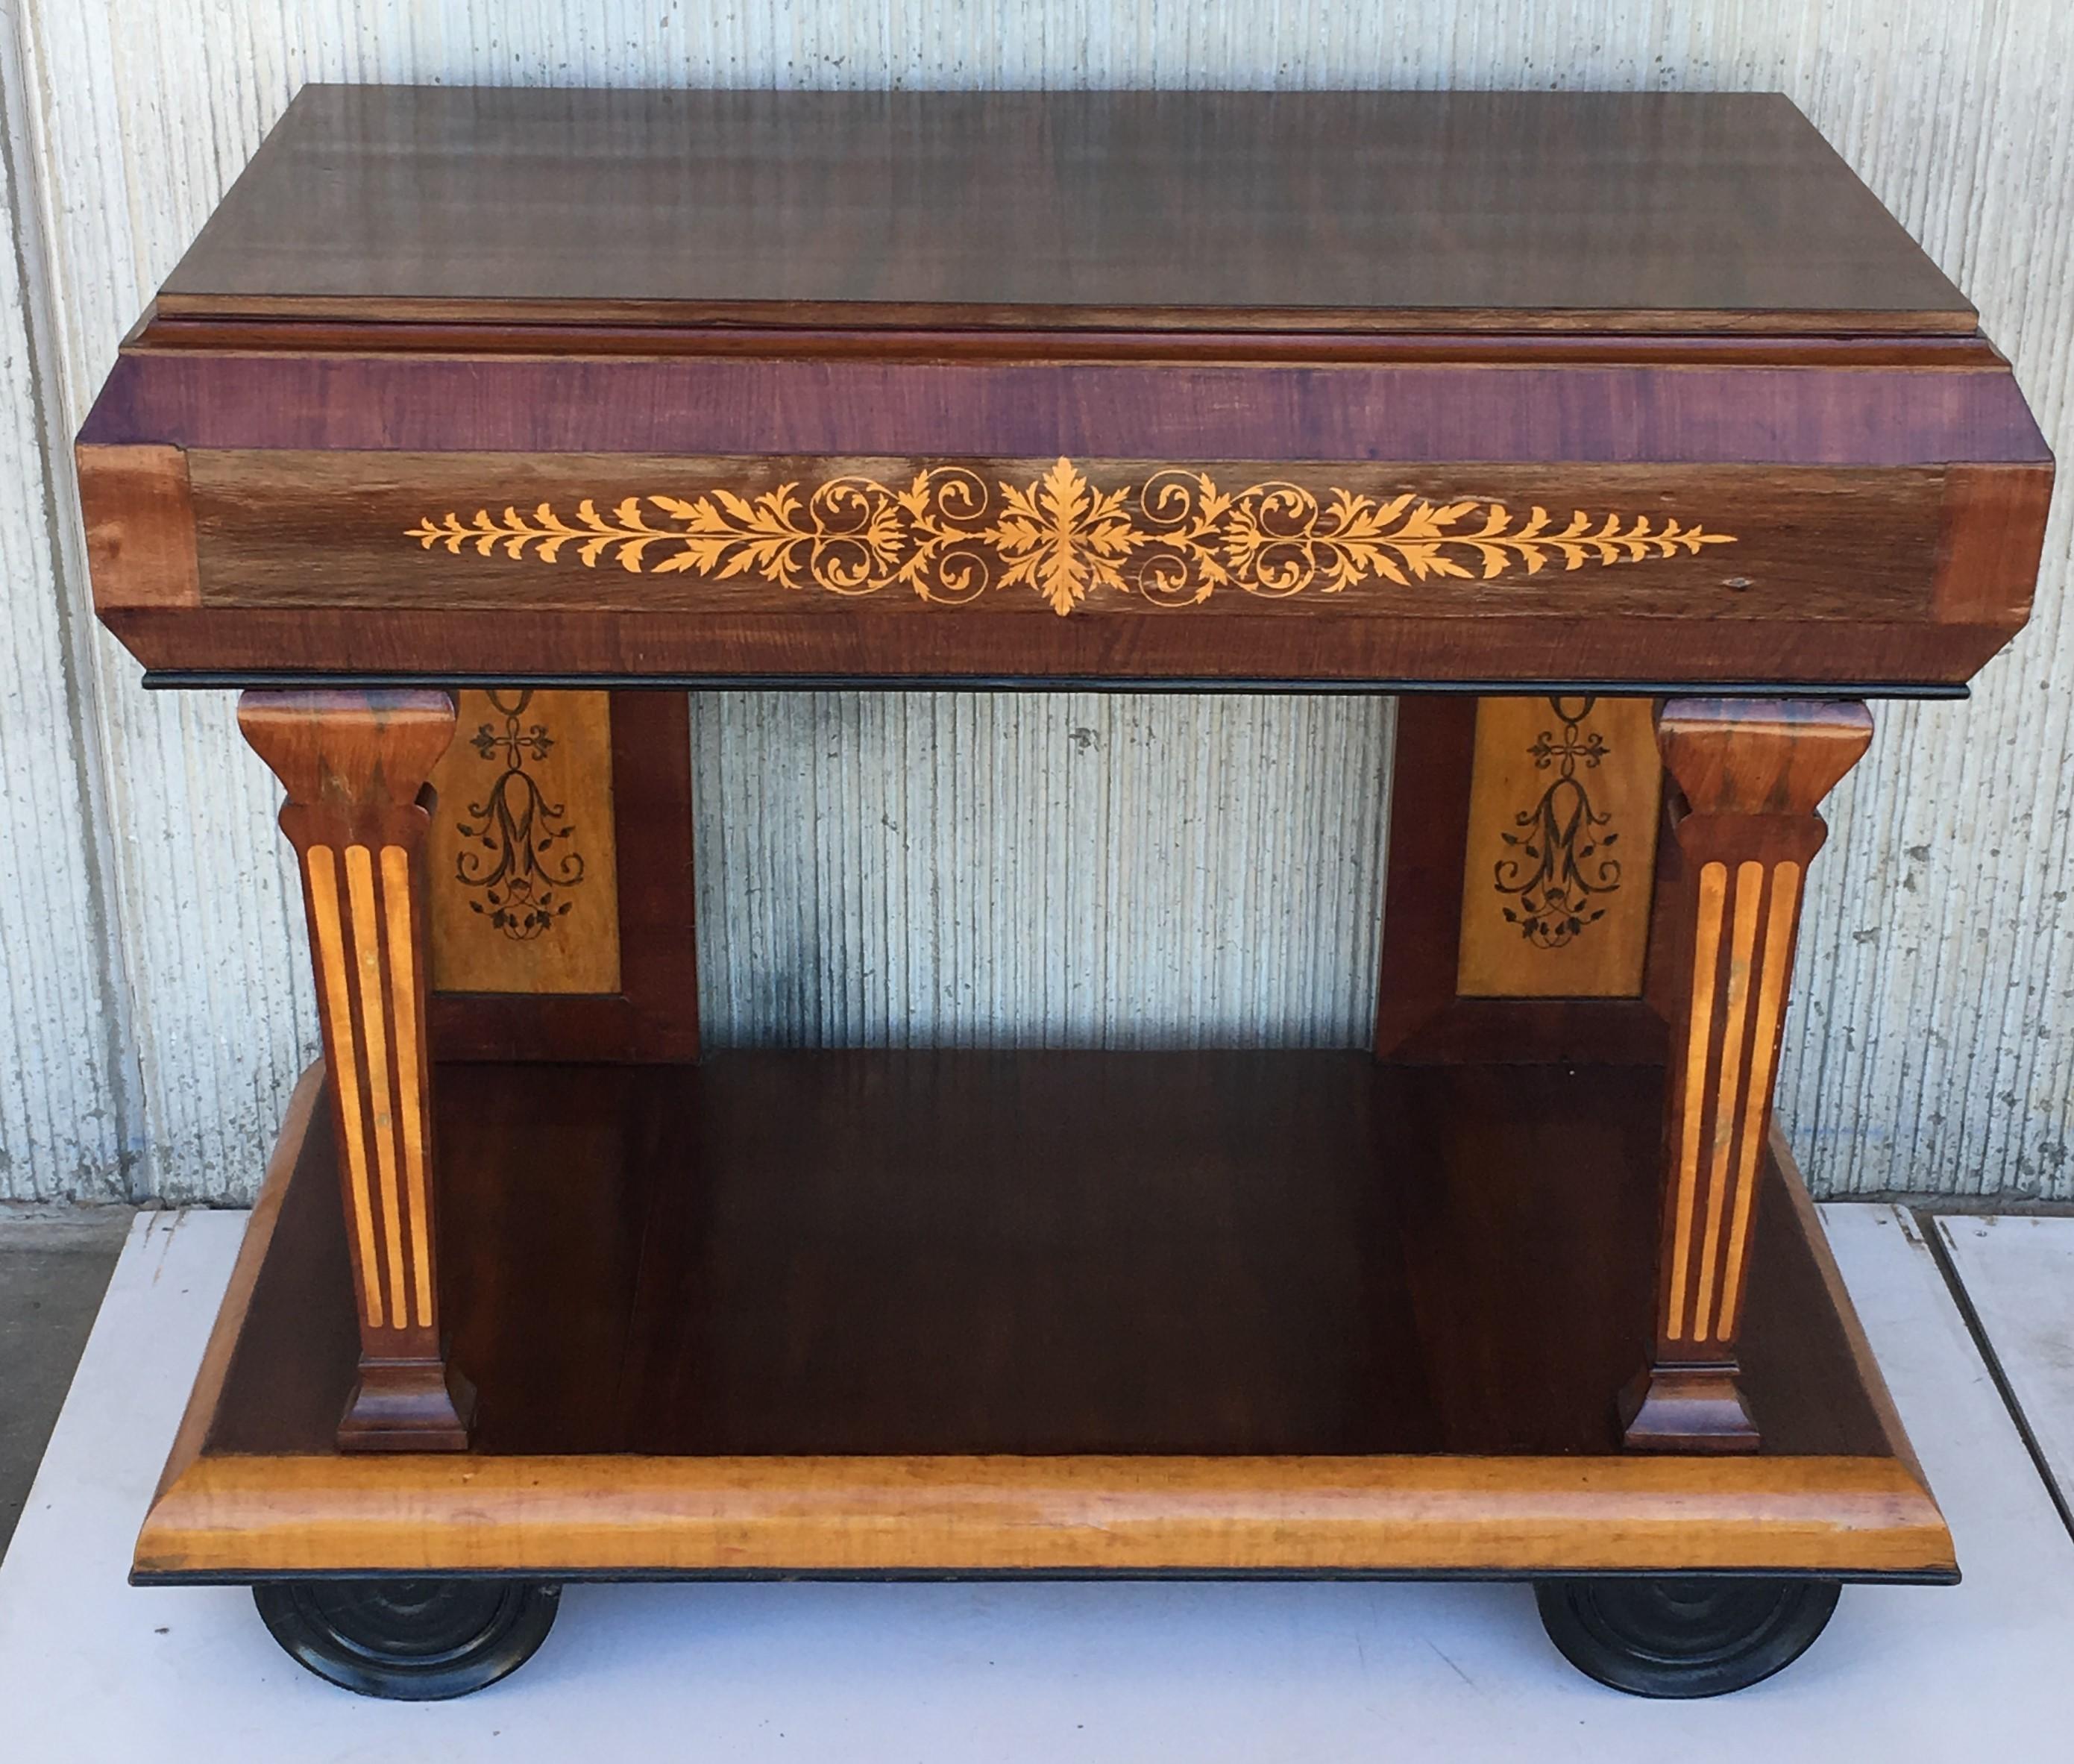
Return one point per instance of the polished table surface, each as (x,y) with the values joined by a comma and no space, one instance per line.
(1351,211)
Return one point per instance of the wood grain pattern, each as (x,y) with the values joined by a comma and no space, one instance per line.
(1758,758)
(1420,1013)
(522,859)
(199,1414)
(264,1495)
(355,767)
(651,1013)
(1809,1225)
(1008,209)
(1750,774)
(525,335)
(845,535)
(233,1517)
(2013,503)
(931,1252)
(1558,884)
(141,537)
(1847,522)
(242,645)
(1890,595)
(1545,407)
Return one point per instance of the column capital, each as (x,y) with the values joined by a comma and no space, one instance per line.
(1760,756)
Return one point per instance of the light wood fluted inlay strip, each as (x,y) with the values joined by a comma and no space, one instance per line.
(320,867)
(396,904)
(1742,952)
(367,946)
(1706,955)
(1780,916)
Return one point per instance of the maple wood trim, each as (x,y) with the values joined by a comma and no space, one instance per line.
(236,1516)
(354,766)
(653,1014)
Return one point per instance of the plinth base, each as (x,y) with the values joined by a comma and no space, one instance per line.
(1686,1409)
(1059,1314)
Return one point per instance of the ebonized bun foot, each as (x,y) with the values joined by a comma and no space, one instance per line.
(1670,1637)
(413,1641)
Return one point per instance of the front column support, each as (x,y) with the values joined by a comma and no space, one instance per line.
(355,765)
(1752,771)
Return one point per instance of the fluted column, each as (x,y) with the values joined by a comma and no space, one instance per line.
(355,765)
(1752,771)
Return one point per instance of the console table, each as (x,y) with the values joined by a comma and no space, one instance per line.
(1627,437)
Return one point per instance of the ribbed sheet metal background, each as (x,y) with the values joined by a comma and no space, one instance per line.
(1013,871)
(1075,869)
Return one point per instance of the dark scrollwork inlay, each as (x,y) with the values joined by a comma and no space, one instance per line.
(1559,858)
(519,861)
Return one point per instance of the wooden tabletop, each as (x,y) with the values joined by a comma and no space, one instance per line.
(1444,389)
(1228,211)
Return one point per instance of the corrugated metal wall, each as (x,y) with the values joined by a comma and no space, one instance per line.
(1010,869)
(1070,869)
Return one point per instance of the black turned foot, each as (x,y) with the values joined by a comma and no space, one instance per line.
(413,1640)
(1663,1636)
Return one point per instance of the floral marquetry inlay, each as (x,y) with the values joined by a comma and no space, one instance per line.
(950,533)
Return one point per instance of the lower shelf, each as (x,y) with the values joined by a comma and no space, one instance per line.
(1219,1313)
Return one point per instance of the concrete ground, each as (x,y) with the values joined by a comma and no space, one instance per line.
(53,1270)
(95,1671)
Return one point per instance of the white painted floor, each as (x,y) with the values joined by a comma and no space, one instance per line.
(93,1669)
(2020,1274)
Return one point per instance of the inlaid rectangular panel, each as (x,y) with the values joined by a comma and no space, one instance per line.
(524,851)
(1039,536)
(614,789)
(1424,1011)
(1557,879)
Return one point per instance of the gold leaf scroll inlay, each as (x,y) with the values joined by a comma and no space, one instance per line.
(949,536)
